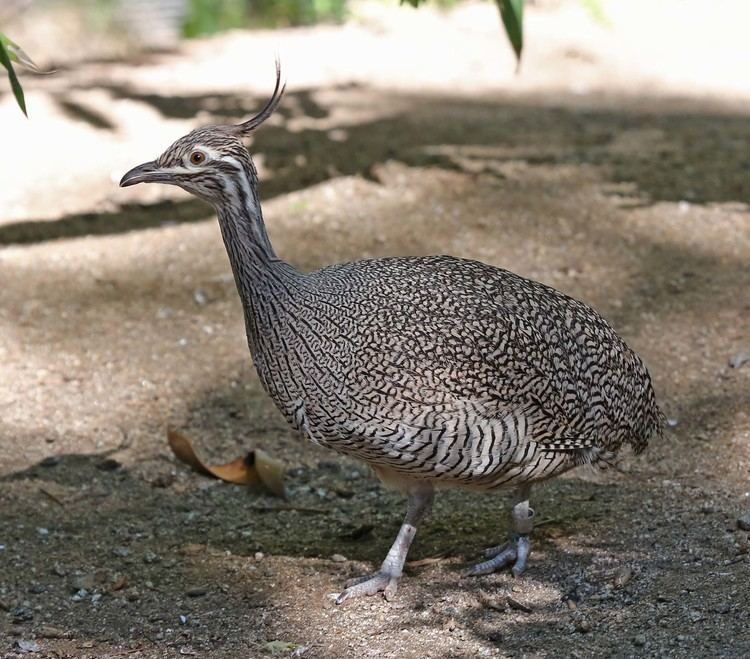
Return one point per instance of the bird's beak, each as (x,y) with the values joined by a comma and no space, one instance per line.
(148,172)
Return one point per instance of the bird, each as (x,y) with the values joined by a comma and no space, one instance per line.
(437,371)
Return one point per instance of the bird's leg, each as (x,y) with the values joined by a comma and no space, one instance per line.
(517,550)
(386,579)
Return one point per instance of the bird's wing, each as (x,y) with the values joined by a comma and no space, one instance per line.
(462,331)
(415,400)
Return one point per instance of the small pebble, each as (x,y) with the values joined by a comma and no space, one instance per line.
(109,464)
(583,625)
(84,582)
(259,555)
(183,620)
(200,297)
(196,592)
(343,492)
(47,631)
(339,558)
(80,595)
(150,557)
(639,640)
(622,577)
(743,522)
(738,359)
(21,614)
(50,461)
(42,531)
(27,646)
(164,479)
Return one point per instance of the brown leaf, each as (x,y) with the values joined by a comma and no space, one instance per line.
(256,469)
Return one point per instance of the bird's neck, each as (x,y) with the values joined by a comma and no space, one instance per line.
(259,274)
(241,221)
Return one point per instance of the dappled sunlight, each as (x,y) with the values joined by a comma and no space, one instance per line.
(613,167)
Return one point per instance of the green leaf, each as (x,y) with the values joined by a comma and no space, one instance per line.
(511,11)
(413,3)
(18,54)
(14,84)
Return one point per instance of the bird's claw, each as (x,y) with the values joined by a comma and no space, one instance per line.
(516,551)
(370,585)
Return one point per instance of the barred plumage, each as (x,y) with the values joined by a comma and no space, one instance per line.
(436,371)
(447,370)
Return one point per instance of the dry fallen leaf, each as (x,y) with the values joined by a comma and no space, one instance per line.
(256,469)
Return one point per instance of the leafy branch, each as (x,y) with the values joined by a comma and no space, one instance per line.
(11,52)
(511,12)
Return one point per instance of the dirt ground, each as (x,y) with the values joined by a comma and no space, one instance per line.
(615,172)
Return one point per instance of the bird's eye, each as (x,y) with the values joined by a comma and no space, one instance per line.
(197,157)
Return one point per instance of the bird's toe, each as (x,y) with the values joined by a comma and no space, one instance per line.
(382,582)
(523,548)
(499,559)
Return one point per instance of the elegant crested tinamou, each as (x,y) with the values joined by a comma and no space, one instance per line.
(435,371)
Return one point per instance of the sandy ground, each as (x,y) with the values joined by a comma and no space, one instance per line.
(615,167)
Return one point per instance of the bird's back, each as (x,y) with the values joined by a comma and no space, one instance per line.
(454,370)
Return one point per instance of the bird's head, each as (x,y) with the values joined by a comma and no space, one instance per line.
(208,162)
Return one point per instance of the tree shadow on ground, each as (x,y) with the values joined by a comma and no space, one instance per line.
(691,156)
(149,550)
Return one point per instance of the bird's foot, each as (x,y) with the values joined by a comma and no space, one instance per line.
(516,551)
(370,585)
